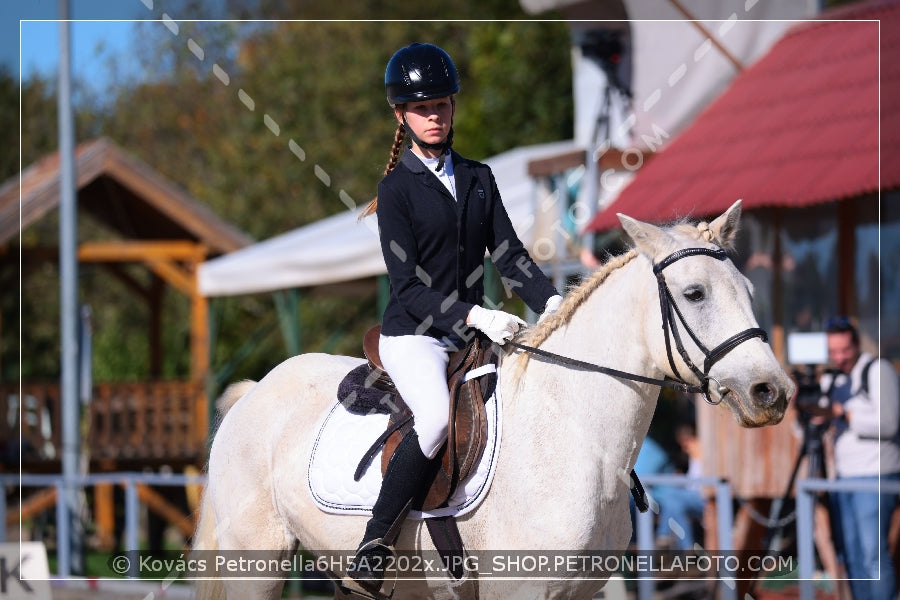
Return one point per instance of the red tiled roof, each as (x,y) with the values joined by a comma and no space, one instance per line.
(798,127)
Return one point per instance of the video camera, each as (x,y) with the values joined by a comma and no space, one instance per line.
(811,400)
(810,350)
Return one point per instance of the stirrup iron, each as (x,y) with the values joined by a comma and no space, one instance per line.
(364,588)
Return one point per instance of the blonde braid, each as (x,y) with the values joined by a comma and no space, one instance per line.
(396,150)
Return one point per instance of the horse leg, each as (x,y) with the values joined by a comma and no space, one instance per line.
(251,543)
(264,589)
(248,570)
(262,544)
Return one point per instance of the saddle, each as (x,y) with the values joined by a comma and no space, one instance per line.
(471,377)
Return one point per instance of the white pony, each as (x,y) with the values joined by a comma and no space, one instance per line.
(570,436)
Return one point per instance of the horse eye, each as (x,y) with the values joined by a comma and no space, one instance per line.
(694,294)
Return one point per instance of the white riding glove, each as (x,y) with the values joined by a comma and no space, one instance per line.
(551,307)
(496,324)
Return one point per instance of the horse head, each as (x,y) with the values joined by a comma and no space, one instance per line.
(706,333)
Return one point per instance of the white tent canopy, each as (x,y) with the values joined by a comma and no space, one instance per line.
(335,249)
(343,248)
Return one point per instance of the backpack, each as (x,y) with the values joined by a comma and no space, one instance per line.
(864,390)
(864,378)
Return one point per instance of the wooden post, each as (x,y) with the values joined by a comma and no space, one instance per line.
(200,368)
(171,513)
(157,287)
(199,337)
(846,255)
(199,353)
(104,514)
(31,506)
(175,262)
(779,344)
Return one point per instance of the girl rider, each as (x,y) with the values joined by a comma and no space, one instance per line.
(437,215)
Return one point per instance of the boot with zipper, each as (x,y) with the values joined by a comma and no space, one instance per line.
(405,484)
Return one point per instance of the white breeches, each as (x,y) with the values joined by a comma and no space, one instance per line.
(417,364)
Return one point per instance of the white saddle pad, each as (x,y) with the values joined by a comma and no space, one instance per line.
(344,438)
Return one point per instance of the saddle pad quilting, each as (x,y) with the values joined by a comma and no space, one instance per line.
(343,439)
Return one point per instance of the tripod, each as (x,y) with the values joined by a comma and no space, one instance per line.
(814,450)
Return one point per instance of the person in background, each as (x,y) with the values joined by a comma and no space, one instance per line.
(865,404)
(652,459)
(684,505)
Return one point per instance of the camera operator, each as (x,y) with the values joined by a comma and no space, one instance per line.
(864,397)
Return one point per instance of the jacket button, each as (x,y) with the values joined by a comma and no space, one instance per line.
(462,249)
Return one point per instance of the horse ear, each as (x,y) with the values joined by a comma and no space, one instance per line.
(725,227)
(650,239)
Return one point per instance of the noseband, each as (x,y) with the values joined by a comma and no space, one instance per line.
(670,310)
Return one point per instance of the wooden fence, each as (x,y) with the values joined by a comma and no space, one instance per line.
(157,421)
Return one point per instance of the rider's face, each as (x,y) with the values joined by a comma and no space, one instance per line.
(430,120)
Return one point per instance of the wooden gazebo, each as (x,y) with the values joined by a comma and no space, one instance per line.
(153,223)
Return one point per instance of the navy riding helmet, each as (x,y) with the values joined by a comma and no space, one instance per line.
(420,72)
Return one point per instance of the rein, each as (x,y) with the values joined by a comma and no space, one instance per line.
(586,366)
(669,310)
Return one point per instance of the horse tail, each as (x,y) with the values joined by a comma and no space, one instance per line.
(232,394)
(205,540)
(205,543)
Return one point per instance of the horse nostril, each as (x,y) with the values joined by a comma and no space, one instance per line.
(765,393)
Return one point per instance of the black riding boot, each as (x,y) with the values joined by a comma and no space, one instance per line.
(404,486)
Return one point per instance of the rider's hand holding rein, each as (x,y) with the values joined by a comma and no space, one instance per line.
(498,325)
(551,307)
(501,326)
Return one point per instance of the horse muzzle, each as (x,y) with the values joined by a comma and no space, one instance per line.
(763,403)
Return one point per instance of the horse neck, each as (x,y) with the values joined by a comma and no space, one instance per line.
(608,328)
(597,412)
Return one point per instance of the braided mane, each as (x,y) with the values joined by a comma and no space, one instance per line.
(537,334)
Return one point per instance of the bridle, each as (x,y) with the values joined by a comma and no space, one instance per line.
(669,311)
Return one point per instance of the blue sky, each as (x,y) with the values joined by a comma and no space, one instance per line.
(100,29)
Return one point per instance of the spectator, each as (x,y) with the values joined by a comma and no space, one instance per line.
(863,391)
(684,505)
(652,460)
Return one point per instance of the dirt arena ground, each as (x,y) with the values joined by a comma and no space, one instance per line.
(116,591)
(130,590)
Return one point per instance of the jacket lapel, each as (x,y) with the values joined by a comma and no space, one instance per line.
(464,179)
(412,162)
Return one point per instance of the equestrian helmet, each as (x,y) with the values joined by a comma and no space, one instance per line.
(419,72)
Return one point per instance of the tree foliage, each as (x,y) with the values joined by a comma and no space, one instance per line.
(223,134)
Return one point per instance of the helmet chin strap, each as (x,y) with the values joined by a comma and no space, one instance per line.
(444,146)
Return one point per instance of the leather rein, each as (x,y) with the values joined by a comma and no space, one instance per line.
(670,311)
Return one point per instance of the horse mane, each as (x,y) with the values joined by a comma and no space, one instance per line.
(538,333)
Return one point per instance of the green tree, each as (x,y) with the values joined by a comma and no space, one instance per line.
(319,84)
(36,299)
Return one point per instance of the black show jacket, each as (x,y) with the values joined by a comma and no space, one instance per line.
(434,247)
